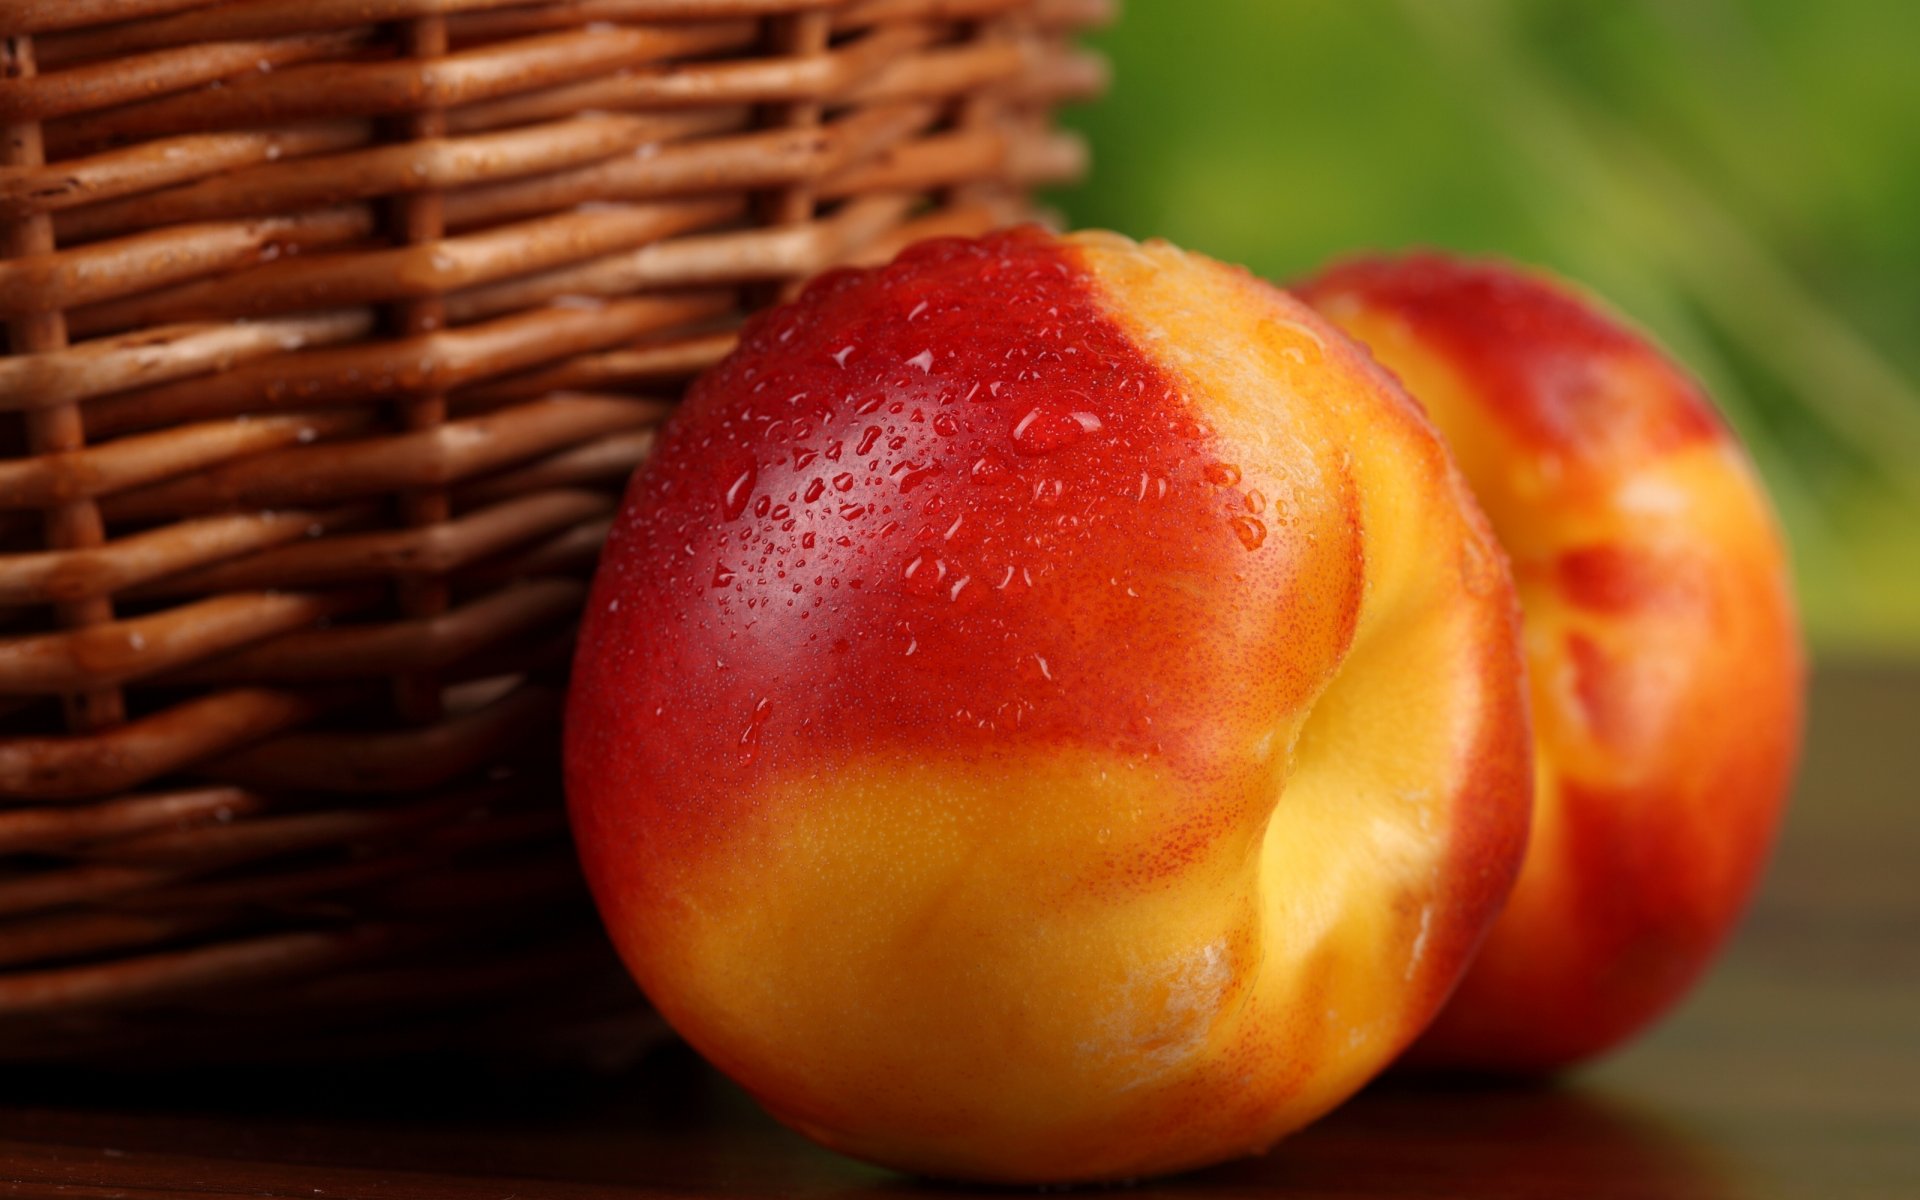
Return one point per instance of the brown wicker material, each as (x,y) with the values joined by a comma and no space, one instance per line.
(334,327)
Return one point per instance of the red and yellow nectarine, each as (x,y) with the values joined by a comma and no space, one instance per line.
(1048,710)
(1661,640)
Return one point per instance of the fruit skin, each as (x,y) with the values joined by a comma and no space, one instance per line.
(1662,643)
(942,677)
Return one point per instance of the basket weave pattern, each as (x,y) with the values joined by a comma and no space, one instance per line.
(333,329)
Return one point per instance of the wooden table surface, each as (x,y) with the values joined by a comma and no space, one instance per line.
(1794,1072)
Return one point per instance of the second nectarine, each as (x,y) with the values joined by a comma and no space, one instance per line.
(1661,639)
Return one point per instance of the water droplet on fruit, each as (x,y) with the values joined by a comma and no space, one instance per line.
(1221,474)
(988,468)
(739,492)
(814,490)
(1308,346)
(722,575)
(919,563)
(946,425)
(867,439)
(750,736)
(914,476)
(1035,668)
(1045,429)
(843,482)
(1249,530)
(1256,503)
(922,360)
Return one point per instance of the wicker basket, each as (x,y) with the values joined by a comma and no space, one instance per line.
(334,328)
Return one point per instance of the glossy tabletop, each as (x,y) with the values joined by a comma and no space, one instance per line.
(1793,1072)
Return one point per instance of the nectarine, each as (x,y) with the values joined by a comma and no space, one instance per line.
(1048,710)
(1661,640)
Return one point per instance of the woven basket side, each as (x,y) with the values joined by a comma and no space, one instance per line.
(53,429)
(334,328)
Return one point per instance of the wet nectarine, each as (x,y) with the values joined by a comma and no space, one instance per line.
(1049,710)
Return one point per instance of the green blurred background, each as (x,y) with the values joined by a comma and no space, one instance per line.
(1740,176)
